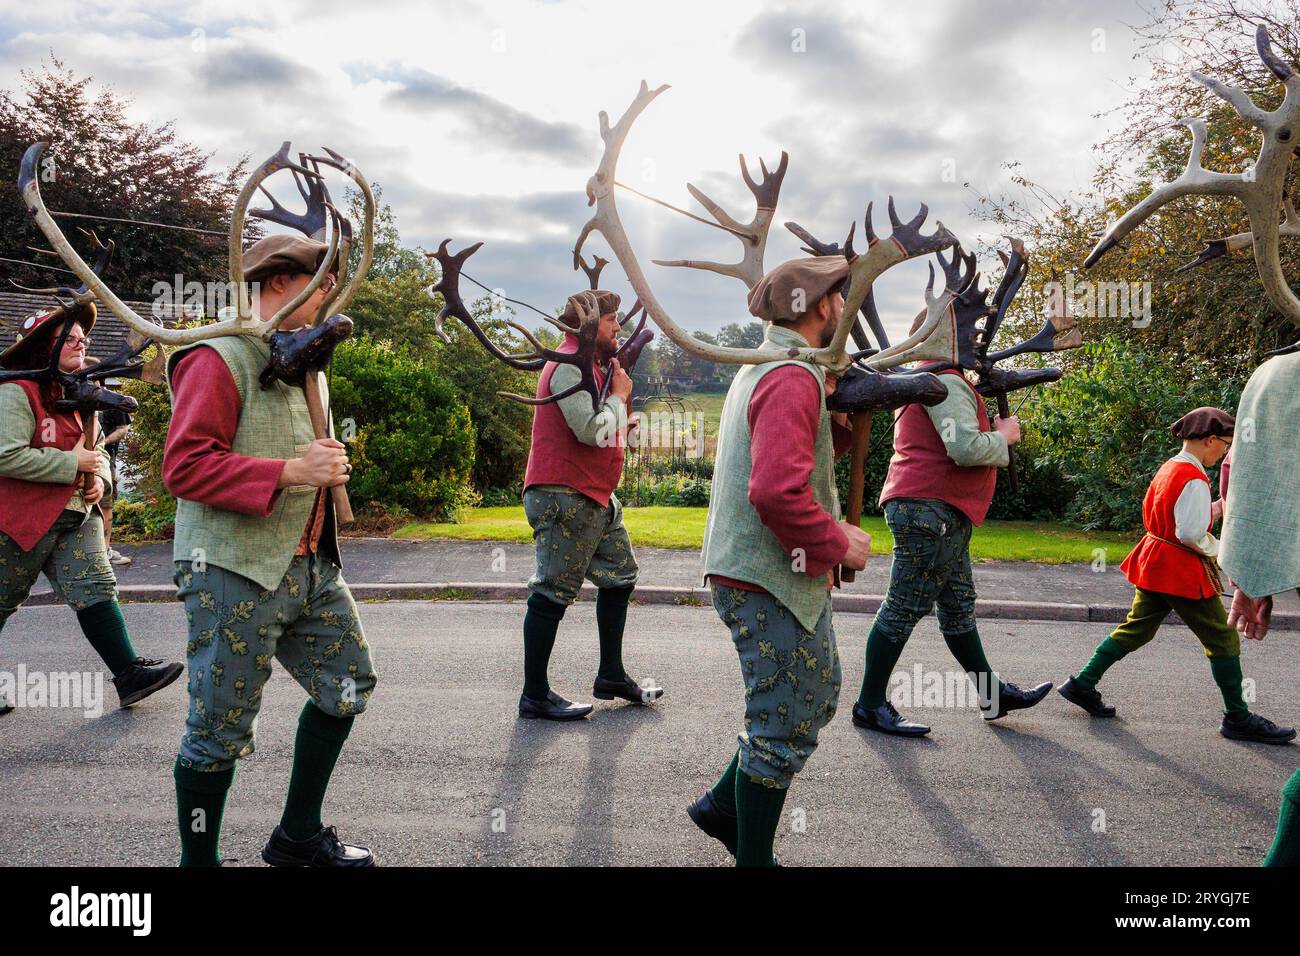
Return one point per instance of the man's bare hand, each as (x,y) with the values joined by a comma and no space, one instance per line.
(87,459)
(859,547)
(1249,615)
(1009,428)
(324,466)
(622,384)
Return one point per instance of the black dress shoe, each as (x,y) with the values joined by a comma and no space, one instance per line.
(626,688)
(324,849)
(714,821)
(1256,729)
(1086,697)
(554,707)
(887,720)
(144,677)
(1011,697)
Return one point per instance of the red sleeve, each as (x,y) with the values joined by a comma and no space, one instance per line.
(783,414)
(1224,469)
(198,464)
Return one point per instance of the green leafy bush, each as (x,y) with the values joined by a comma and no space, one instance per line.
(1105,426)
(410,438)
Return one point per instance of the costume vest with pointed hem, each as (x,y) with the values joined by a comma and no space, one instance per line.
(28,509)
(921,468)
(1156,564)
(556,457)
(273,423)
(737,544)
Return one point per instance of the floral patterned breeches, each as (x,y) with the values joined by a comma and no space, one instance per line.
(72,556)
(792,681)
(309,624)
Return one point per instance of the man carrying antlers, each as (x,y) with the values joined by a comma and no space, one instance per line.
(258,568)
(50,520)
(574,465)
(771,546)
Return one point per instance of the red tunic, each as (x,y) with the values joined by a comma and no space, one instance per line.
(28,509)
(556,457)
(1156,565)
(921,467)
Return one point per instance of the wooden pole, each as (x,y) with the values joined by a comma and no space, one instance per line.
(861,422)
(316,408)
(1004,411)
(88,440)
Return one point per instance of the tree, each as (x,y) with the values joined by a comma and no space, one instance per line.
(99,163)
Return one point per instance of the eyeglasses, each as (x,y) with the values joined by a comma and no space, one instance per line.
(75,340)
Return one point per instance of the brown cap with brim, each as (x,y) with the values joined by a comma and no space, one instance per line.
(1202,423)
(607,302)
(282,253)
(38,333)
(787,292)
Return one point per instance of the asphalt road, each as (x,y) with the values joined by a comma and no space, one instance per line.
(441,772)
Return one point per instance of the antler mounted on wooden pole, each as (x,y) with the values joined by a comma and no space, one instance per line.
(1260,189)
(907,242)
(321,215)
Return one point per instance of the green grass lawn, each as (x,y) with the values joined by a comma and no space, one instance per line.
(684,528)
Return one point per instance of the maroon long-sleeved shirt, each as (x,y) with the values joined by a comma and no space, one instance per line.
(783,414)
(198,464)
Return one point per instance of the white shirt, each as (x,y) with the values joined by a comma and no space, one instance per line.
(1192,511)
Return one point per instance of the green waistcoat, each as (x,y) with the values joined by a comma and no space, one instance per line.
(738,545)
(1260,545)
(273,423)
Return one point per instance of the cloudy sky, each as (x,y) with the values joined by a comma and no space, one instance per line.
(479,120)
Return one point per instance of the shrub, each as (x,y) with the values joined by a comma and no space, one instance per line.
(411,441)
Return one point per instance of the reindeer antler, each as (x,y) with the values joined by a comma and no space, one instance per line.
(242,323)
(907,242)
(1260,190)
(752,235)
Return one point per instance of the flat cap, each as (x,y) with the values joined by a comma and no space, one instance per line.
(282,253)
(1202,423)
(606,302)
(794,287)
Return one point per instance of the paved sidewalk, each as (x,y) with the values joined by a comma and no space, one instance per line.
(386,568)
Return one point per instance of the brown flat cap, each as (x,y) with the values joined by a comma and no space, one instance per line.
(1202,423)
(794,287)
(607,302)
(282,253)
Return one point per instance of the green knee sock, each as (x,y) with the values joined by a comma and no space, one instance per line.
(200,805)
(1107,653)
(724,791)
(540,626)
(969,651)
(1227,674)
(105,629)
(758,814)
(882,656)
(611,616)
(1286,842)
(315,751)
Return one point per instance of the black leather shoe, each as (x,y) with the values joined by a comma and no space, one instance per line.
(1256,729)
(144,677)
(887,720)
(554,707)
(1011,697)
(1086,697)
(626,688)
(713,820)
(5,708)
(324,849)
